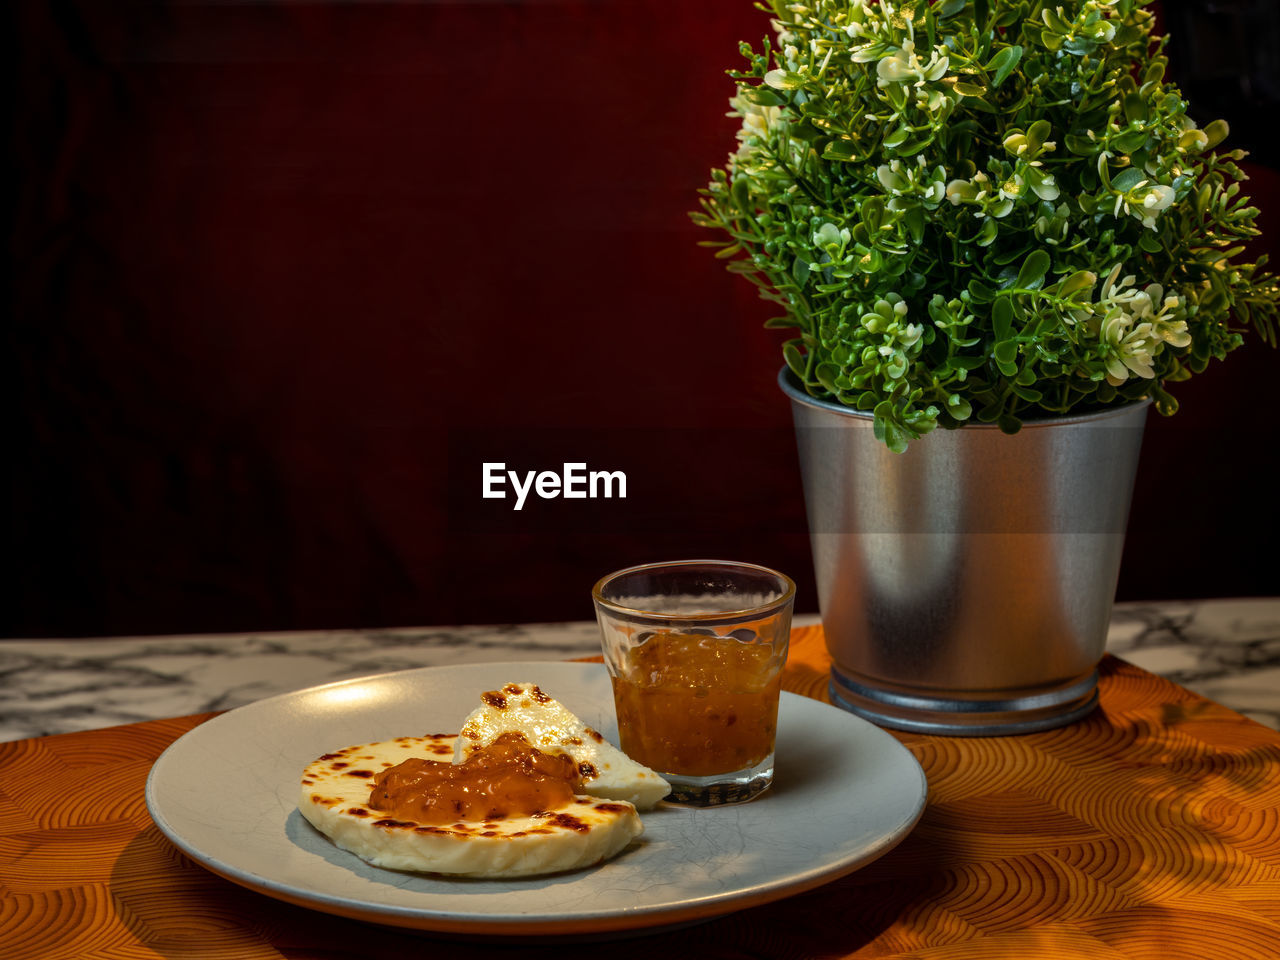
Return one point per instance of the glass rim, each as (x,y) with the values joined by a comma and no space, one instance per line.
(762,609)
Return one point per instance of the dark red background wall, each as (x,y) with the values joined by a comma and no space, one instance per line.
(285,274)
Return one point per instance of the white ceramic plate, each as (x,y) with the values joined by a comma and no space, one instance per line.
(845,792)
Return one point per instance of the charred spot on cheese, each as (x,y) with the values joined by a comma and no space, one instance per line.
(494,699)
(566,820)
(587,771)
(610,807)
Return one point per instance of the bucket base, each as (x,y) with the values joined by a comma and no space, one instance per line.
(970,717)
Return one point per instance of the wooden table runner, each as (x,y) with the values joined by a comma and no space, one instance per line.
(1151,829)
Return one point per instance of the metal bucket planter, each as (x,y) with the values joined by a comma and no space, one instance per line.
(966,585)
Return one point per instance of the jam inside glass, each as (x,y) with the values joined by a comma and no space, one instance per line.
(697,705)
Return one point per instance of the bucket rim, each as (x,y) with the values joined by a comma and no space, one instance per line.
(790,385)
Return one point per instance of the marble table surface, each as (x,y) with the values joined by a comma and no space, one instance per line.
(1226,650)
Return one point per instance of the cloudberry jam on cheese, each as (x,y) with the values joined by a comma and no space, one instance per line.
(508,778)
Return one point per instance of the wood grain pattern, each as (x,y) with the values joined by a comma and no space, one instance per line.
(1151,829)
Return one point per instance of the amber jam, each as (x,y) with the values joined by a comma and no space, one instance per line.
(697,705)
(508,778)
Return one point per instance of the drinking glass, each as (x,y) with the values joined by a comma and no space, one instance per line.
(695,650)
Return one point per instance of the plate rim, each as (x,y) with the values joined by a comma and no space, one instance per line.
(602,920)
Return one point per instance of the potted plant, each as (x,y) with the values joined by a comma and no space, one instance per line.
(994,224)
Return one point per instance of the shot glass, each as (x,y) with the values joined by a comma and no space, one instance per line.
(695,650)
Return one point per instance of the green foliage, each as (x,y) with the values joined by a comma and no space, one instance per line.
(983,209)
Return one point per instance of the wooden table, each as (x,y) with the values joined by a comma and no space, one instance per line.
(1149,829)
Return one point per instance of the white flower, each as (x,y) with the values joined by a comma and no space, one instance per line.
(960,190)
(757,120)
(1157,198)
(1146,201)
(1135,325)
(912,186)
(1013,188)
(992,201)
(1164,314)
(1016,143)
(888,176)
(1115,291)
(902,65)
(776,79)
(1172,332)
(1130,346)
(829,234)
